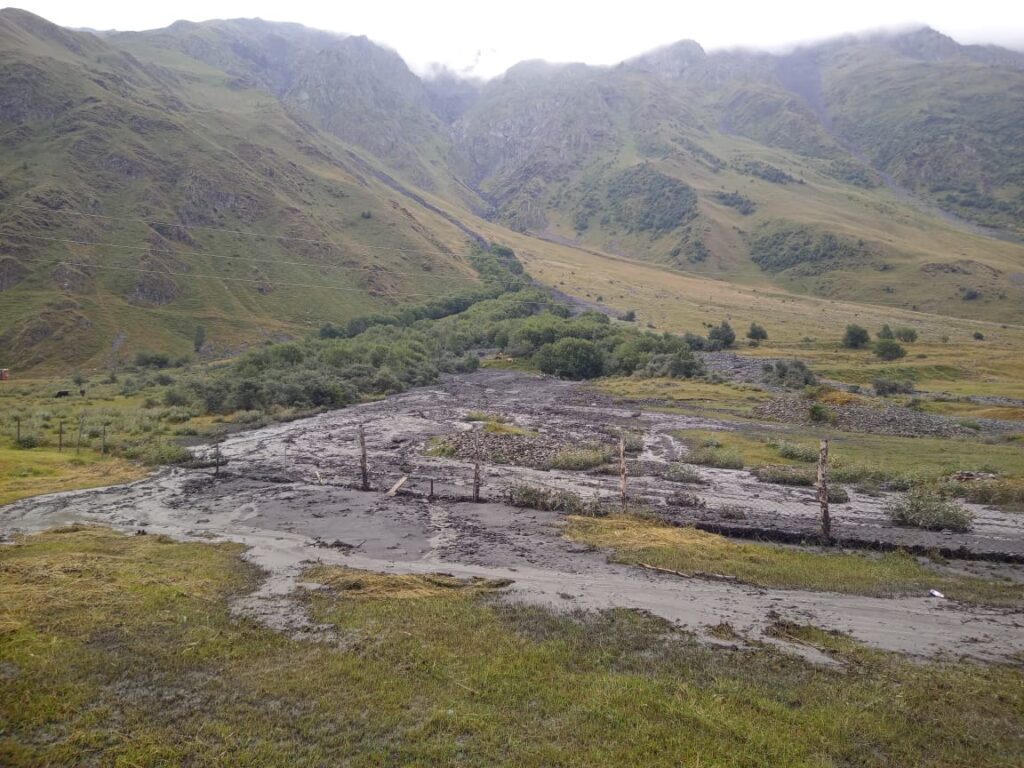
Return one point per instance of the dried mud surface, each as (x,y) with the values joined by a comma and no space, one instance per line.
(290,493)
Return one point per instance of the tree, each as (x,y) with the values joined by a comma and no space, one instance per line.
(199,339)
(908,335)
(570,358)
(723,333)
(757,332)
(886,332)
(888,349)
(856,337)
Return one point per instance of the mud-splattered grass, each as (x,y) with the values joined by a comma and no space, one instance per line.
(120,650)
(639,540)
(25,473)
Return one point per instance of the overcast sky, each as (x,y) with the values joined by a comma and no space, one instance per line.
(487,38)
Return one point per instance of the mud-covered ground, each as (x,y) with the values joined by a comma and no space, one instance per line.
(290,492)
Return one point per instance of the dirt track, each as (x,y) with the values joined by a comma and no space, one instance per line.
(288,493)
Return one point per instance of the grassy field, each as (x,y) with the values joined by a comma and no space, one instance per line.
(636,540)
(917,457)
(121,650)
(31,473)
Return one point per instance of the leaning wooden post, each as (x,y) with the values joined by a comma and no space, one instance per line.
(476,466)
(216,458)
(622,471)
(365,483)
(826,521)
(60,437)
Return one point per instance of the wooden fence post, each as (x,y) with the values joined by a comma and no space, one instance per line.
(17,420)
(622,471)
(60,437)
(476,466)
(826,521)
(364,472)
(81,426)
(103,441)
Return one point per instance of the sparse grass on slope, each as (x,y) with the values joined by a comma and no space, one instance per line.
(122,650)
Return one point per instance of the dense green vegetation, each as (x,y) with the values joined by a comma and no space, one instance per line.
(741,203)
(786,246)
(385,354)
(763,170)
(640,199)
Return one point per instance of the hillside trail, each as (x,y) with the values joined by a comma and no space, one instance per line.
(287,495)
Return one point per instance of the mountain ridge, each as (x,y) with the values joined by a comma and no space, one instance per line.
(332,151)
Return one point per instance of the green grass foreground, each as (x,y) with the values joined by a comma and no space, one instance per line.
(120,650)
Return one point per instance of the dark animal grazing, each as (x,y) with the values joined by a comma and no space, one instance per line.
(63,393)
(81,392)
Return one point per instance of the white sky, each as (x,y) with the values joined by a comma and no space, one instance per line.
(487,38)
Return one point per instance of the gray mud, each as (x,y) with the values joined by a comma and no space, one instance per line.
(289,493)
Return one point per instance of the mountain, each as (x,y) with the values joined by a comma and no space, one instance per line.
(260,178)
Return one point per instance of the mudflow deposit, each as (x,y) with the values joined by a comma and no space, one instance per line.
(291,492)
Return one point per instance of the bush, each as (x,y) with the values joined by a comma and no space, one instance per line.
(28,442)
(681,473)
(629,316)
(979,336)
(152,360)
(757,332)
(926,507)
(856,337)
(821,414)
(886,332)
(884,387)
(580,459)
(570,359)
(783,474)
(906,335)
(550,500)
(711,456)
(887,349)
(723,334)
(797,452)
(791,374)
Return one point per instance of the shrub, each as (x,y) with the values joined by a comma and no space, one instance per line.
(757,332)
(681,473)
(152,360)
(906,335)
(711,456)
(797,452)
(570,358)
(175,397)
(856,337)
(821,414)
(441,448)
(887,349)
(979,336)
(681,498)
(971,294)
(580,459)
(723,334)
(783,474)
(28,442)
(629,316)
(886,332)
(926,507)
(550,500)
(884,387)
(791,374)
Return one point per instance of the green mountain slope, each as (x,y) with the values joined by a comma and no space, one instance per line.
(258,179)
(140,200)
